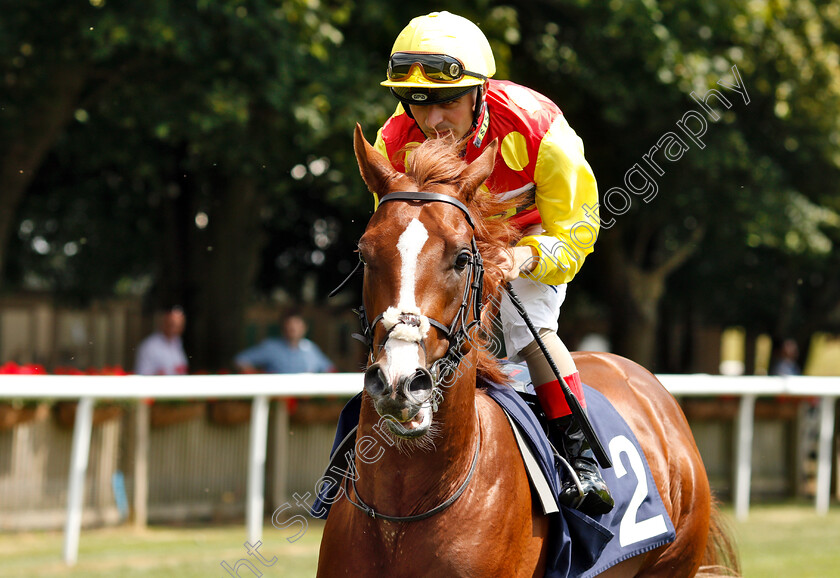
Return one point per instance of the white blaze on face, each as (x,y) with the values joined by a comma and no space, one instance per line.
(403,353)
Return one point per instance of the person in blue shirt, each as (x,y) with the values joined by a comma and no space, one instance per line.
(784,360)
(292,353)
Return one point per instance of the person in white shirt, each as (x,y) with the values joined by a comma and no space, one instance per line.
(162,352)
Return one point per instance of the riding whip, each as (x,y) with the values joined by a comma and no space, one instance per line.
(577,411)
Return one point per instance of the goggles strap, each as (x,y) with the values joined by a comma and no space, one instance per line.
(479,112)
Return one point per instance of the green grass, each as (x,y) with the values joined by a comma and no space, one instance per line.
(783,540)
(788,540)
(157,552)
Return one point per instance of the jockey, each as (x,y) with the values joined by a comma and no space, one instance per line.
(440,71)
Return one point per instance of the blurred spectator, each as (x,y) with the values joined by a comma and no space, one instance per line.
(292,353)
(785,359)
(162,352)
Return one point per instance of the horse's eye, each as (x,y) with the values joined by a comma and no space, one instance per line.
(463,259)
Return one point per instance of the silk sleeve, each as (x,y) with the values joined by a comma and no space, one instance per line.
(567,198)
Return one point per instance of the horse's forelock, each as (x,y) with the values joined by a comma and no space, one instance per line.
(436,166)
(435,161)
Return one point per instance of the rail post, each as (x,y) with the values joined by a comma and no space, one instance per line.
(824,452)
(743,456)
(258,438)
(76,484)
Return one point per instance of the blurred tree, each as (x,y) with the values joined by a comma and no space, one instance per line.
(203,153)
(41,89)
(779,256)
(202,110)
(624,73)
(205,157)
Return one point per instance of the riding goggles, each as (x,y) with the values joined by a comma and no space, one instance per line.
(434,67)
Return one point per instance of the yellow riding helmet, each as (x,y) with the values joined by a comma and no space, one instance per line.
(443,33)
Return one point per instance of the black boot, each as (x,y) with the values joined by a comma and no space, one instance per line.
(595,498)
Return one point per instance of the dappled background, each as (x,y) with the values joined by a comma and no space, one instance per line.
(201,153)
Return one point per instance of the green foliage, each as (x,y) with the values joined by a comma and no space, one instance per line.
(761,189)
(173,93)
(163,114)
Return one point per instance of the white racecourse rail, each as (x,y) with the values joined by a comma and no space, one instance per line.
(262,387)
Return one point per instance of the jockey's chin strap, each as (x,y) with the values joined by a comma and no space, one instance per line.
(457,331)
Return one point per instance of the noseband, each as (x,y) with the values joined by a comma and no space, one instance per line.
(457,331)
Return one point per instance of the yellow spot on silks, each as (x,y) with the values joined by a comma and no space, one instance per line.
(515,151)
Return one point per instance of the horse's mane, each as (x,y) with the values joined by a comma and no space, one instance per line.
(437,166)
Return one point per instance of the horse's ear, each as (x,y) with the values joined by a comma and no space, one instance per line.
(376,170)
(479,170)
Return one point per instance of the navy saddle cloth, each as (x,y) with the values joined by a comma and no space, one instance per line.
(580,545)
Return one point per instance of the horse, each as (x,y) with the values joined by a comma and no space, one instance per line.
(446,492)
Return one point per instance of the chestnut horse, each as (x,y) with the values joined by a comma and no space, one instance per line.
(448,495)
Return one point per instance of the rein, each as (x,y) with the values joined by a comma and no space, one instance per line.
(457,331)
(428,514)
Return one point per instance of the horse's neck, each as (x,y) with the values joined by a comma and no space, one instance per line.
(411,473)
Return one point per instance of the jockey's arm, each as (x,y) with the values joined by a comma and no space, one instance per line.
(567,199)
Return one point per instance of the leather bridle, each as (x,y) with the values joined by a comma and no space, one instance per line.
(457,331)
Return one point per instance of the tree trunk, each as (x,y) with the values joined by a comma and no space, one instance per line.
(30,138)
(750,341)
(635,292)
(220,274)
(634,304)
(644,290)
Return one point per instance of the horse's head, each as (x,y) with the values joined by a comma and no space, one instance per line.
(423,277)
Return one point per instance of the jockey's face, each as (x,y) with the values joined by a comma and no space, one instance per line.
(455,117)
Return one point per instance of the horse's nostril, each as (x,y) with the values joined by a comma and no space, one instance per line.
(421,381)
(375,382)
(419,387)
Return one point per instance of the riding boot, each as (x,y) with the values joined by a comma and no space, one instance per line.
(593,497)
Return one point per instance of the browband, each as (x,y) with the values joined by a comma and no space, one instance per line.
(422,196)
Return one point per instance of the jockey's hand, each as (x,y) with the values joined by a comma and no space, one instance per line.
(519,260)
